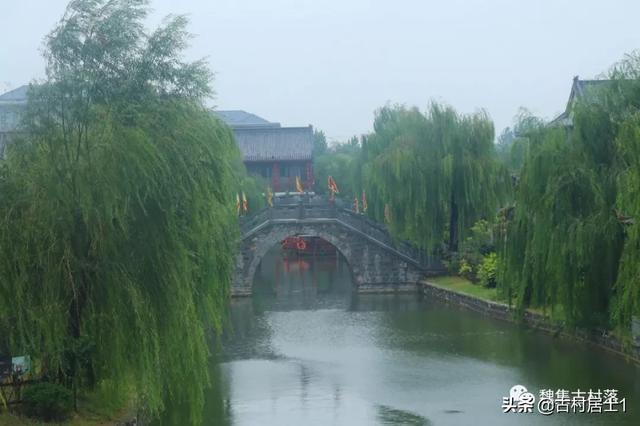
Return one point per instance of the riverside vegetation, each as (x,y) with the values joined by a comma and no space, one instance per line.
(548,215)
(117,209)
(117,225)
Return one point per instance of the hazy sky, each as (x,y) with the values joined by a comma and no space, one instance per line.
(332,63)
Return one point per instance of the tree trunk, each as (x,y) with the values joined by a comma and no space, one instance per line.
(453,225)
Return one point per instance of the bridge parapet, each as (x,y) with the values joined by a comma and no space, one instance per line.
(380,232)
(299,208)
(318,208)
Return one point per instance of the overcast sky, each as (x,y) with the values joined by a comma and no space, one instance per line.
(332,63)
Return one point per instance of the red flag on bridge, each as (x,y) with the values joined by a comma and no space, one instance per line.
(245,203)
(333,187)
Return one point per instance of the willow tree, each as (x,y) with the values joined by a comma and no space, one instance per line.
(116,223)
(626,103)
(513,144)
(404,175)
(477,183)
(437,172)
(626,301)
(562,248)
(572,244)
(340,162)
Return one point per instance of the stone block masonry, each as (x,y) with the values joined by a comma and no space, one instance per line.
(377,262)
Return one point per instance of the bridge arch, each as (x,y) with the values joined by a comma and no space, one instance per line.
(377,262)
(277,234)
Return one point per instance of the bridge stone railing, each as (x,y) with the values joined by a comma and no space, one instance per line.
(380,233)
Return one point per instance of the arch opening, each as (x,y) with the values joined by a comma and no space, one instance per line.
(303,266)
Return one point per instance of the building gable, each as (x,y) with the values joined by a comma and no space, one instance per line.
(581,90)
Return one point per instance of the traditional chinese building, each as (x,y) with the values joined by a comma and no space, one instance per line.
(278,154)
(11,105)
(581,90)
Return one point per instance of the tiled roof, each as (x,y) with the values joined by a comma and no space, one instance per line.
(239,118)
(275,143)
(11,105)
(257,138)
(580,90)
(18,95)
(585,90)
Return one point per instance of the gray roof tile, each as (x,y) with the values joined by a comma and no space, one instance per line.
(11,106)
(239,118)
(580,90)
(257,138)
(18,95)
(275,143)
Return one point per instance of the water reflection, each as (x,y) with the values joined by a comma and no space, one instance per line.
(391,416)
(288,281)
(306,351)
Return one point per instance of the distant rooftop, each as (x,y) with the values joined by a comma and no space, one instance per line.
(239,119)
(258,139)
(262,140)
(11,106)
(580,90)
(275,143)
(18,95)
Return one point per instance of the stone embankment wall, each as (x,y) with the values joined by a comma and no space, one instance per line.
(501,311)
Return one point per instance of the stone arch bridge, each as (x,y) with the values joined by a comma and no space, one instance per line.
(377,262)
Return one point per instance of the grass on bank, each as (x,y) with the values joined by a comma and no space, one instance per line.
(7,419)
(464,286)
(93,410)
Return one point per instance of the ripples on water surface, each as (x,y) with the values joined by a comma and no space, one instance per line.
(305,351)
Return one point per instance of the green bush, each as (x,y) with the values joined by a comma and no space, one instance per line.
(48,402)
(487,270)
(465,270)
(466,262)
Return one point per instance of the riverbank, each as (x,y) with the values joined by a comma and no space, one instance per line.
(486,301)
(86,416)
(78,420)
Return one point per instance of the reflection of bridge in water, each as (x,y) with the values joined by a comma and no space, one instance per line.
(377,262)
(289,281)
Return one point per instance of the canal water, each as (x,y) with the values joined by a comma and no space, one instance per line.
(305,350)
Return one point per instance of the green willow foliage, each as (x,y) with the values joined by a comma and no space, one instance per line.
(569,245)
(341,162)
(117,226)
(626,297)
(438,173)
(254,187)
(626,301)
(562,245)
(513,143)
